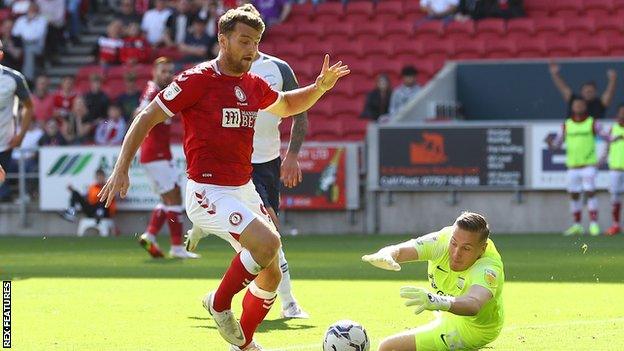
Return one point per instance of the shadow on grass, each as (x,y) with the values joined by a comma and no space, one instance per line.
(527,258)
(265,327)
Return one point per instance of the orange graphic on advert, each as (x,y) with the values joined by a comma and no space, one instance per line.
(428,152)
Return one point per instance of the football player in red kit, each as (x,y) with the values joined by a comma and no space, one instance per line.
(219,101)
(156,159)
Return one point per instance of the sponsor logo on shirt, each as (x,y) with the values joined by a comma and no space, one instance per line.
(490,277)
(172,91)
(236,118)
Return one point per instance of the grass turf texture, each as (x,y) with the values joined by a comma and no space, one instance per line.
(106,294)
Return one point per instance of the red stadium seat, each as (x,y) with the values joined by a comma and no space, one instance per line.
(354,128)
(380,50)
(565,8)
(329,11)
(490,28)
(579,25)
(310,31)
(301,12)
(609,27)
(499,49)
(305,70)
(560,47)
(323,109)
(406,51)
(359,11)
(293,49)
(282,32)
(344,48)
(5,14)
(468,49)
(598,8)
(363,67)
(615,46)
(388,11)
(315,49)
(429,31)
(441,50)
(368,31)
(412,10)
(341,104)
(522,26)
(113,87)
(549,26)
(588,45)
(530,48)
(325,131)
(460,30)
(338,31)
(398,32)
(344,88)
(537,9)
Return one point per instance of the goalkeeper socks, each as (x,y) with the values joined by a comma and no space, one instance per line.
(173,214)
(617,206)
(592,206)
(256,305)
(575,208)
(157,220)
(284,288)
(243,270)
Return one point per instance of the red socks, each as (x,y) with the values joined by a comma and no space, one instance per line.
(173,214)
(243,270)
(157,220)
(616,212)
(256,305)
(577,217)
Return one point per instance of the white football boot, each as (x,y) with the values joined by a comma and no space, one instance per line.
(178,251)
(227,325)
(253,346)
(193,236)
(293,310)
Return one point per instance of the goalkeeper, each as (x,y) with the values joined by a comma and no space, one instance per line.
(466,276)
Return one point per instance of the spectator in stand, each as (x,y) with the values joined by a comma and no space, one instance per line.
(43,101)
(109,45)
(19,7)
(136,49)
(64,98)
(75,20)
(52,135)
(210,11)
(196,47)
(178,23)
(112,130)
(97,101)
(596,106)
(80,125)
(129,99)
(32,28)
(54,12)
(154,23)
(378,100)
(404,92)
(440,9)
(127,13)
(13,47)
(273,11)
(478,9)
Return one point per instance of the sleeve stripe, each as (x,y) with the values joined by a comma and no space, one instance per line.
(162,105)
(280,95)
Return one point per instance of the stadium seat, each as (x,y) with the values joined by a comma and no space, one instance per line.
(549,26)
(412,10)
(268,48)
(565,8)
(329,11)
(309,32)
(598,8)
(429,31)
(560,47)
(438,50)
(588,45)
(467,49)
(302,13)
(530,48)
(615,46)
(326,131)
(609,27)
(341,49)
(306,70)
(398,31)
(290,49)
(460,30)
(354,128)
(85,71)
(368,31)
(5,14)
(499,49)
(359,11)
(363,67)
(388,11)
(521,26)
(344,89)
(380,50)
(114,87)
(282,32)
(406,51)
(579,25)
(537,9)
(315,49)
(322,108)
(490,29)
(337,31)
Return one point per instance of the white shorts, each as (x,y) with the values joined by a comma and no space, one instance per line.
(582,179)
(163,175)
(616,184)
(225,211)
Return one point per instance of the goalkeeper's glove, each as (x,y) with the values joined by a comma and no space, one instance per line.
(424,300)
(383,259)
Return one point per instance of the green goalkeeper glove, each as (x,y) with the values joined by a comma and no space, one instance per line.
(424,300)
(383,259)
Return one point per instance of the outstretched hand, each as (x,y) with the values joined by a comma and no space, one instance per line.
(330,75)
(117,182)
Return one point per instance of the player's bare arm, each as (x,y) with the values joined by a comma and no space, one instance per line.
(562,86)
(2,175)
(27,115)
(141,125)
(290,171)
(609,92)
(299,100)
(390,257)
(470,304)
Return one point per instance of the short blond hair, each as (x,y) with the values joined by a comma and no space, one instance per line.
(246,14)
(474,223)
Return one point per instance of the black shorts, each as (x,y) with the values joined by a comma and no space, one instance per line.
(266,178)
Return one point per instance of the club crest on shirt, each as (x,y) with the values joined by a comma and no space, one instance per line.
(172,91)
(240,94)
(490,277)
(236,218)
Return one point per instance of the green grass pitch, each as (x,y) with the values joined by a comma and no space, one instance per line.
(106,294)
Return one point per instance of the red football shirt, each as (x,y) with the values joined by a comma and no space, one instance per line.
(219,114)
(156,145)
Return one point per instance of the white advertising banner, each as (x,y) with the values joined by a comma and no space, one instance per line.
(548,171)
(60,167)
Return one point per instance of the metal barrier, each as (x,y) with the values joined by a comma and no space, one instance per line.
(22,176)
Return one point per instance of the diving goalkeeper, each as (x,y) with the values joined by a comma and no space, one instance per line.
(466,275)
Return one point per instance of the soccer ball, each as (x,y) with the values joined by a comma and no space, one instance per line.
(346,335)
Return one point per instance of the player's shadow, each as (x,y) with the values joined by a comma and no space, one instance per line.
(265,327)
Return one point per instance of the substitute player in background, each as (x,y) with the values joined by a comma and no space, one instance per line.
(159,168)
(268,167)
(615,156)
(579,133)
(219,101)
(466,275)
